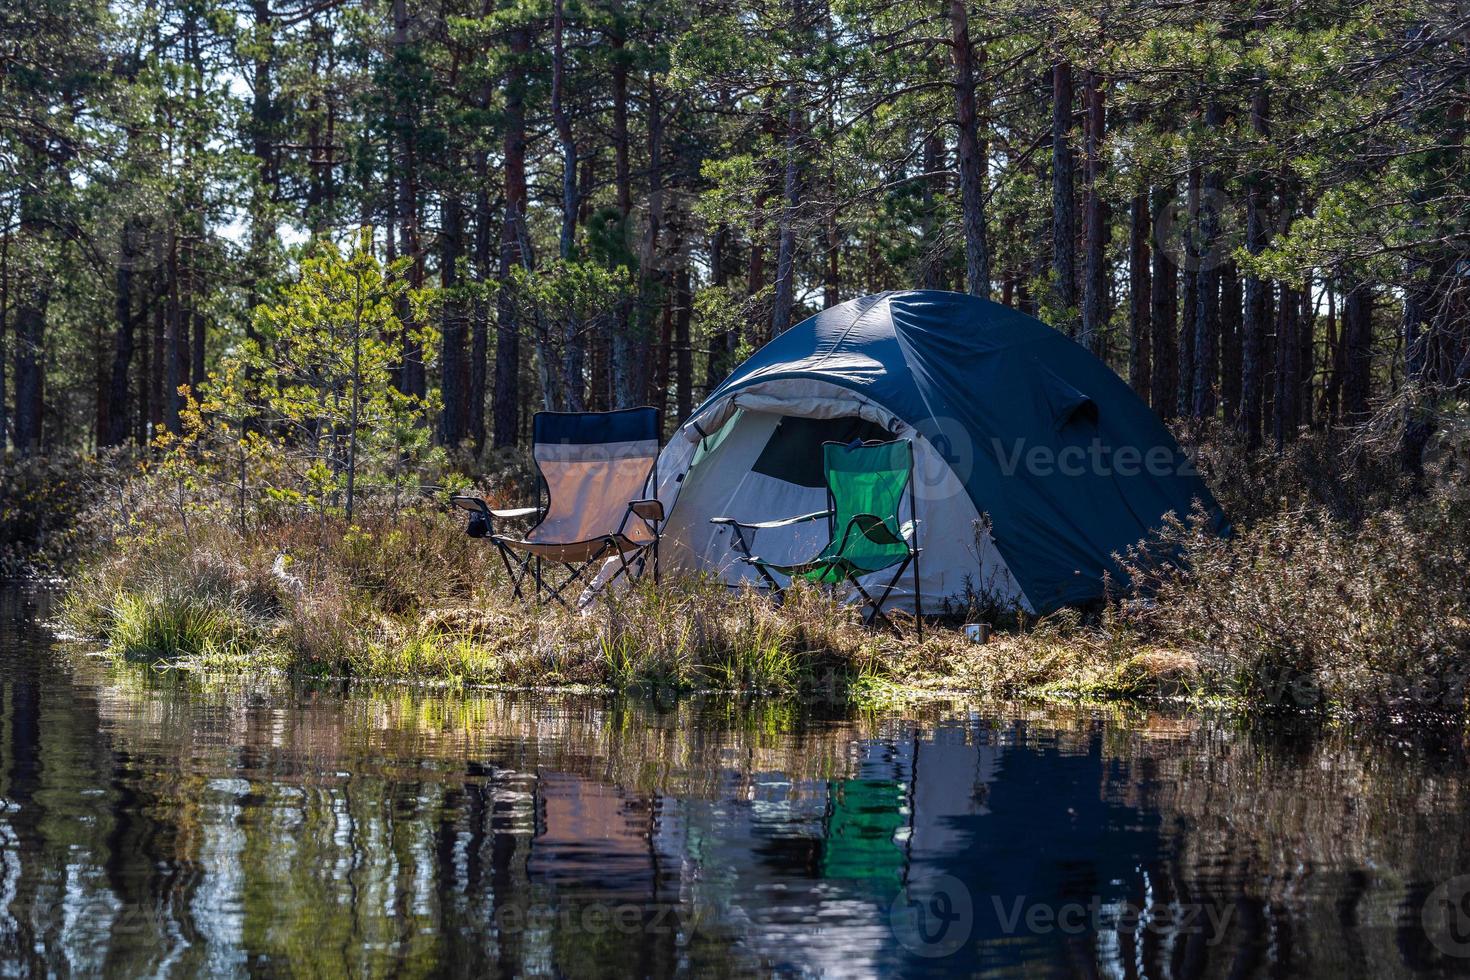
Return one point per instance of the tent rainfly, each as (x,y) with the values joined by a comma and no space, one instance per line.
(1034,464)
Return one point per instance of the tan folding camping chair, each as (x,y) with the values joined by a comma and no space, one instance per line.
(597,473)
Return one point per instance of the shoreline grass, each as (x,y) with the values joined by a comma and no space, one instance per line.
(1295,614)
(408,597)
(1342,591)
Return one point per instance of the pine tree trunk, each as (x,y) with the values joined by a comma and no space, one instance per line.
(506,406)
(4,345)
(192,330)
(1288,370)
(1328,407)
(563,124)
(1163,292)
(1140,284)
(114,430)
(480,322)
(30,315)
(1189,311)
(933,259)
(412,379)
(1257,293)
(1416,332)
(1357,346)
(1063,201)
(1207,284)
(1092,334)
(573,356)
(171,366)
(620,342)
(781,304)
(1306,354)
(30,366)
(152,379)
(831,279)
(262,142)
(196,345)
(1230,319)
(720,342)
(972,154)
(454,379)
(663,359)
(635,361)
(683,353)
(1285,398)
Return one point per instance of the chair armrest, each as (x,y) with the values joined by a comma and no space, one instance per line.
(650,509)
(482,518)
(514,513)
(762,525)
(475,505)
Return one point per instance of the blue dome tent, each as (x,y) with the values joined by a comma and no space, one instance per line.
(1034,462)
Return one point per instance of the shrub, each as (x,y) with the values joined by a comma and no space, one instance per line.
(1300,610)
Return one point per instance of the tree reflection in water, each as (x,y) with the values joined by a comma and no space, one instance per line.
(156,824)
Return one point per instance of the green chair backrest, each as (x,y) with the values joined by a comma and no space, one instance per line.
(868,479)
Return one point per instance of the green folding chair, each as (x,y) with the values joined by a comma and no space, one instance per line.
(865,486)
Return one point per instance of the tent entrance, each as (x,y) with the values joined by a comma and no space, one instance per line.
(793,453)
(763,464)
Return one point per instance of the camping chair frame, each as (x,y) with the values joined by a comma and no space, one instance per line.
(869,525)
(524,559)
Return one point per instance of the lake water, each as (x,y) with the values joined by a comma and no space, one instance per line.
(152,824)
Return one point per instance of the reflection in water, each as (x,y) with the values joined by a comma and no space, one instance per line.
(151,824)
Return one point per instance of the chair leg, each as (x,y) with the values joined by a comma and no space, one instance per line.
(516,578)
(877,604)
(625,567)
(743,546)
(771,583)
(918,600)
(574,574)
(873,606)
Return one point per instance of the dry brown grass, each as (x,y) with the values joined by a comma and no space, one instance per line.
(410,596)
(1300,611)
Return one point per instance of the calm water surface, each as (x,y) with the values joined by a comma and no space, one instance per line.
(154,825)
